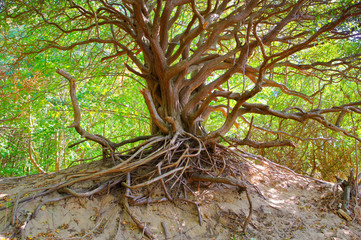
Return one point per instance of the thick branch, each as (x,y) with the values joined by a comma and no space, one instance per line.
(153,111)
(301,115)
(217,28)
(9,119)
(133,140)
(77,115)
(93,40)
(256,144)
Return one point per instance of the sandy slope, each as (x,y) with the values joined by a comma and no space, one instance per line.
(293,207)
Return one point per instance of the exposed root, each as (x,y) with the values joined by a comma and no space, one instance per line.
(146,201)
(250,212)
(198,209)
(119,231)
(141,226)
(13,221)
(99,189)
(166,234)
(172,163)
(231,181)
(169,197)
(97,224)
(206,178)
(49,201)
(154,179)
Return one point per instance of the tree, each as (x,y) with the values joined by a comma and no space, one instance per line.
(187,51)
(195,58)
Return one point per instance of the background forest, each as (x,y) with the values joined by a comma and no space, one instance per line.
(36,108)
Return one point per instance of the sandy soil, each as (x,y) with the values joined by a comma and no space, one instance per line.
(289,207)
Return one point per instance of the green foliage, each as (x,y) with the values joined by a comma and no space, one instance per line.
(31,90)
(38,103)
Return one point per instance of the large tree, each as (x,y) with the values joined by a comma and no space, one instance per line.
(188,51)
(195,58)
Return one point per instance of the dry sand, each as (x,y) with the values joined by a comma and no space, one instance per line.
(294,208)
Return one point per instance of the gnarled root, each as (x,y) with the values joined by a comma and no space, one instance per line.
(171,162)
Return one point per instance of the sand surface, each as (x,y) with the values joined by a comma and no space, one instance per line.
(292,207)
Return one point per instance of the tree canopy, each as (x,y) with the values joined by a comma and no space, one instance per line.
(288,69)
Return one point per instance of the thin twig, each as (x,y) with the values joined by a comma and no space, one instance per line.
(102,187)
(49,201)
(152,180)
(357,166)
(83,159)
(119,231)
(181,174)
(165,231)
(144,201)
(163,184)
(92,230)
(197,206)
(13,221)
(224,166)
(76,143)
(249,213)
(135,219)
